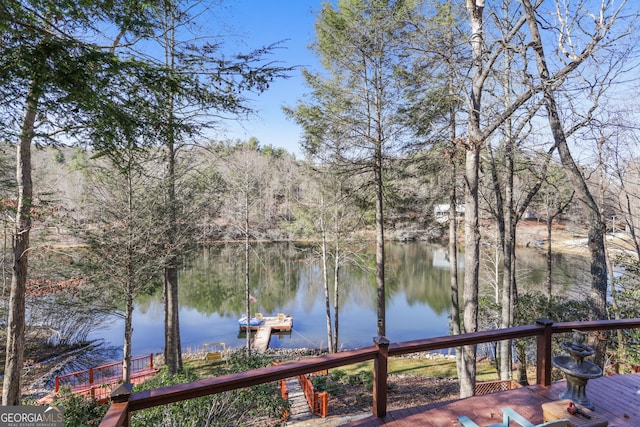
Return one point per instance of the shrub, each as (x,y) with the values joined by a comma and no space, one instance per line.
(231,408)
(363,377)
(326,383)
(338,375)
(79,410)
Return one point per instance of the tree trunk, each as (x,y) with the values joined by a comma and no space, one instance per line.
(325,277)
(509,294)
(612,279)
(380,243)
(247,277)
(453,219)
(128,333)
(453,261)
(509,238)
(471,269)
(336,298)
(521,349)
(471,225)
(549,256)
(129,286)
(172,351)
(11,389)
(336,279)
(630,221)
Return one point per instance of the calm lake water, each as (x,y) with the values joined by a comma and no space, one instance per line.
(287,279)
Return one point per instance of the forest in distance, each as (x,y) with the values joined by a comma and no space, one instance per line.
(59,172)
(430,120)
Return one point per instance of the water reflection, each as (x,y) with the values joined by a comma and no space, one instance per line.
(284,278)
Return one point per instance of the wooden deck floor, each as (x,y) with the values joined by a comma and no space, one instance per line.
(616,398)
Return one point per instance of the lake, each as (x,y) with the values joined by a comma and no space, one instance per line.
(286,278)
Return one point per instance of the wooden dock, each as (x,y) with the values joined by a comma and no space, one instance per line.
(281,322)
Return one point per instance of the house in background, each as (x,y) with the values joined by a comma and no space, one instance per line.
(441,212)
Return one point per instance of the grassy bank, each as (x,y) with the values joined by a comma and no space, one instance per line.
(433,366)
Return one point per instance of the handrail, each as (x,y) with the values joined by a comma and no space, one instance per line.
(596,325)
(542,330)
(109,373)
(451,341)
(175,393)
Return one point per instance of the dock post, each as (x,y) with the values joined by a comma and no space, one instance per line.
(380,367)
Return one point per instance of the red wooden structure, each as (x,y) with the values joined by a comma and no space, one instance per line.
(318,401)
(123,401)
(285,396)
(98,382)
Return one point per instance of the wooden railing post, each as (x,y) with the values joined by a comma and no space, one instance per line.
(118,414)
(543,363)
(380,366)
(324,404)
(92,391)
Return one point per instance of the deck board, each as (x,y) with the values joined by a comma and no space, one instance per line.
(616,398)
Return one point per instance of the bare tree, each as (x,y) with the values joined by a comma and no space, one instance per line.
(245,172)
(436,60)
(358,46)
(471,173)
(200,86)
(327,213)
(125,252)
(555,197)
(606,16)
(56,80)
(627,173)
(485,54)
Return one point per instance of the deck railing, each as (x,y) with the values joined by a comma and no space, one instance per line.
(97,382)
(124,402)
(318,401)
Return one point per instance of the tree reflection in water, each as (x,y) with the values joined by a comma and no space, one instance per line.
(286,280)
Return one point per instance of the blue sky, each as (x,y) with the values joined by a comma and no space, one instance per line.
(255,23)
(262,22)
